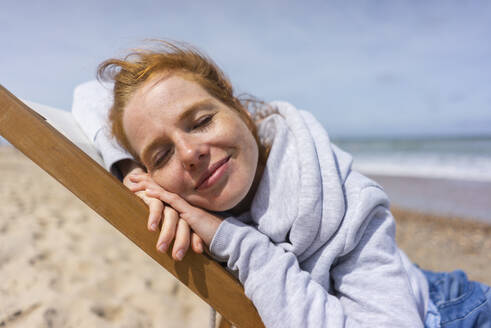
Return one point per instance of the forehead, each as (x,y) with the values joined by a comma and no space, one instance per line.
(156,106)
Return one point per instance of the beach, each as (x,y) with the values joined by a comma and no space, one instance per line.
(61,265)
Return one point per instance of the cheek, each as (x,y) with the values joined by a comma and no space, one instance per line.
(248,144)
(238,133)
(242,138)
(169,179)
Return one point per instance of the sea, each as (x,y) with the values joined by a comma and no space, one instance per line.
(445,176)
(466,158)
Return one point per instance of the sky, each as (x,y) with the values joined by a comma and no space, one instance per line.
(363,68)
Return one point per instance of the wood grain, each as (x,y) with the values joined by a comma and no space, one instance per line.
(28,131)
(224,323)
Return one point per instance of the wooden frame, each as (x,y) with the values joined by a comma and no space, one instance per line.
(31,134)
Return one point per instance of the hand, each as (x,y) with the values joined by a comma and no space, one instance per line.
(156,207)
(202,222)
(172,226)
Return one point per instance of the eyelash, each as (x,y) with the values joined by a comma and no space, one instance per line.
(159,159)
(204,123)
(201,126)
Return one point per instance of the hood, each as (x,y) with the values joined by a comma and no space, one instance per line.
(300,201)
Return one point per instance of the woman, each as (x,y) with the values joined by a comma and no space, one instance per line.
(311,240)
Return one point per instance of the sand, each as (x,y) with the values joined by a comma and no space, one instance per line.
(61,265)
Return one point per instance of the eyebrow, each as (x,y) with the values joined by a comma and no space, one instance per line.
(205,104)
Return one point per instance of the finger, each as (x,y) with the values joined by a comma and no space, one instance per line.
(168,229)
(137,186)
(196,243)
(168,197)
(155,208)
(143,184)
(133,186)
(127,182)
(202,222)
(143,196)
(181,243)
(137,177)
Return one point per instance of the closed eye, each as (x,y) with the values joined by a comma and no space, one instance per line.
(160,158)
(204,122)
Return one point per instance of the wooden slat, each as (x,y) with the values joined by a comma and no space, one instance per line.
(224,323)
(55,154)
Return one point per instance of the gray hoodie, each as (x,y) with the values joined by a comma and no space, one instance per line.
(317,247)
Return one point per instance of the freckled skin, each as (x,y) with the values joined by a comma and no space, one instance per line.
(152,114)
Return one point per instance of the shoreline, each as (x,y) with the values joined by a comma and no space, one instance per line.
(466,199)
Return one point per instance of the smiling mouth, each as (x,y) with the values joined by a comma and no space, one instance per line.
(215,169)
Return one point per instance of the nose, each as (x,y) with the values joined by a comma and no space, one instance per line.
(192,152)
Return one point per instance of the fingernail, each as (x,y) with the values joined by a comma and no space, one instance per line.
(153,227)
(163,247)
(180,254)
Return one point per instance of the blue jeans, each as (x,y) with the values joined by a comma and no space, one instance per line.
(457,302)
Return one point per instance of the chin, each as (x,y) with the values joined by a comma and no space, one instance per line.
(233,202)
(222,206)
(215,205)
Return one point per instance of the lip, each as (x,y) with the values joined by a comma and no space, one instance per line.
(204,180)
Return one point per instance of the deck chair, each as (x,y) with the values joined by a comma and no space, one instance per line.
(52,140)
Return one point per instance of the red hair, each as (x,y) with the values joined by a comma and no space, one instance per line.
(131,72)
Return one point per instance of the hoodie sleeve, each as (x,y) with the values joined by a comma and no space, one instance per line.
(370,286)
(91,104)
(283,294)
